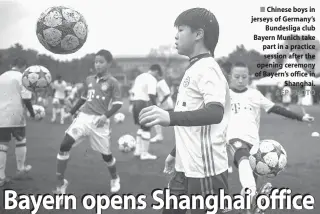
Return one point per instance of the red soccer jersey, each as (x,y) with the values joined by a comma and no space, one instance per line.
(100,93)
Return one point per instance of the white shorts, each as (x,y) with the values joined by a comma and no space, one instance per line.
(83,128)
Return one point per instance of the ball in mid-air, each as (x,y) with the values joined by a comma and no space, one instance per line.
(268,158)
(36,77)
(62,30)
(127,143)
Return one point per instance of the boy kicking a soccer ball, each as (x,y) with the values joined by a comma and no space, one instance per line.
(243,128)
(92,122)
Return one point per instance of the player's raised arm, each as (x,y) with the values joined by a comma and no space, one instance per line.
(213,90)
(116,99)
(26,96)
(271,107)
(65,89)
(173,152)
(53,88)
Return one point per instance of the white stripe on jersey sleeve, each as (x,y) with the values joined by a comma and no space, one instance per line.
(212,86)
(117,102)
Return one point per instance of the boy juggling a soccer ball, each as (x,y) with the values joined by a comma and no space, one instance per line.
(92,123)
(201,112)
(13,98)
(243,128)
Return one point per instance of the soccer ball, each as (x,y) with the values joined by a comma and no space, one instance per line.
(119,117)
(127,143)
(39,112)
(36,77)
(62,30)
(268,158)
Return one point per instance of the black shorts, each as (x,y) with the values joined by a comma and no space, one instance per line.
(138,105)
(239,150)
(61,101)
(6,134)
(182,185)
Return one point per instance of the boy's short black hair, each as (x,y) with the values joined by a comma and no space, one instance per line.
(106,54)
(156,67)
(238,64)
(201,18)
(226,66)
(19,62)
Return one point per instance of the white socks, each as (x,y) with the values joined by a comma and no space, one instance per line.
(54,114)
(137,151)
(246,176)
(158,129)
(3,160)
(21,153)
(145,142)
(62,113)
(55,111)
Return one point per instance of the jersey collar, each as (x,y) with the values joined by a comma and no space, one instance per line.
(194,59)
(239,91)
(104,77)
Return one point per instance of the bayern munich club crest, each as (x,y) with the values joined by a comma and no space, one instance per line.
(186,82)
(238,144)
(104,86)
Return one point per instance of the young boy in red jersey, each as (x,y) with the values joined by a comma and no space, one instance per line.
(92,122)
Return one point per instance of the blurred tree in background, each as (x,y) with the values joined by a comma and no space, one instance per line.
(173,65)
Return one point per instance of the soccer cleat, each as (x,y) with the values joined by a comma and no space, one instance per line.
(4,181)
(136,153)
(115,185)
(61,190)
(264,190)
(147,156)
(156,139)
(230,169)
(24,171)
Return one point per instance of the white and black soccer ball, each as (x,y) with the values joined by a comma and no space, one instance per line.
(119,117)
(62,30)
(36,77)
(127,143)
(268,158)
(39,112)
